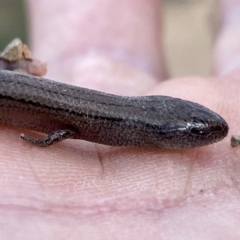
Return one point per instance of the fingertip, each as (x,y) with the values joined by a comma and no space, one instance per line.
(227,49)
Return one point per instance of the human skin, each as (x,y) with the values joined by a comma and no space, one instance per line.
(81,190)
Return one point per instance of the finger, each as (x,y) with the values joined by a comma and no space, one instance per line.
(87,39)
(227,56)
(227,51)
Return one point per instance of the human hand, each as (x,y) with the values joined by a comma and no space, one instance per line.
(76,189)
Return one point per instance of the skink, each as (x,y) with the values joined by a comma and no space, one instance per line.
(64,111)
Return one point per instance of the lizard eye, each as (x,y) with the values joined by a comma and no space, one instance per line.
(197,131)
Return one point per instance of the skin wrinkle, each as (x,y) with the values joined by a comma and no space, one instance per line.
(156,179)
(100,159)
(118,205)
(81,214)
(109,207)
(236,165)
(188,178)
(34,173)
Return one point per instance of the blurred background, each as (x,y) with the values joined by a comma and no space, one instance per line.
(189,30)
